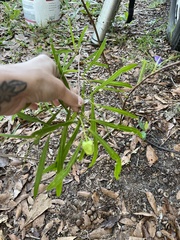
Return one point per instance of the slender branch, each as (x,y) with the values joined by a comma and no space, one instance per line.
(103,55)
(94,26)
(148,76)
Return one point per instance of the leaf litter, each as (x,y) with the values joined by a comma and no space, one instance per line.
(143,204)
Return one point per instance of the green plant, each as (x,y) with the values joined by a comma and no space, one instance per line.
(145,42)
(12,13)
(156,3)
(78,123)
(144,126)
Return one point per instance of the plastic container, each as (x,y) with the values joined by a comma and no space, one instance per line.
(41,12)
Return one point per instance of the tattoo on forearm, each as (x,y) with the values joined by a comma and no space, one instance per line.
(9,89)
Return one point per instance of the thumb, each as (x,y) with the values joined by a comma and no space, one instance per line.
(72,99)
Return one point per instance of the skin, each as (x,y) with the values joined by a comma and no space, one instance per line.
(31,82)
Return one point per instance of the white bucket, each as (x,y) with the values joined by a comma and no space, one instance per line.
(41,12)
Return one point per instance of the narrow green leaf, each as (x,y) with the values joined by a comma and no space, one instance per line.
(29,118)
(60,51)
(71,140)
(82,36)
(146,126)
(41,167)
(114,76)
(67,66)
(100,64)
(57,60)
(98,55)
(72,34)
(119,127)
(15,136)
(59,188)
(81,156)
(62,174)
(60,159)
(113,90)
(117,110)
(143,134)
(53,117)
(143,68)
(93,127)
(111,153)
(115,84)
(50,168)
(70,71)
(49,129)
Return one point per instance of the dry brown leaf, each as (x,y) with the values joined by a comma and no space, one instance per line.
(47,176)
(48,226)
(12,204)
(2,237)
(109,193)
(160,99)
(3,218)
(17,189)
(4,197)
(44,237)
(58,201)
(42,188)
(151,155)
(134,142)
(136,238)
(25,208)
(151,227)
(168,235)
(127,221)
(152,201)
(178,195)
(38,208)
(100,233)
(18,211)
(21,223)
(13,237)
(176,91)
(39,221)
(66,238)
(138,232)
(87,221)
(75,172)
(60,228)
(4,161)
(125,159)
(145,214)
(160,107)
(95,198)
(123,208)
(83,194)
(177,147)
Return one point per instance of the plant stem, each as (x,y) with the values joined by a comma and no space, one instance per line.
(148,76)
(94,26)
(103,55)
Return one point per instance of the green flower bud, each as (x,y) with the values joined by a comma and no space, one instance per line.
(88,147)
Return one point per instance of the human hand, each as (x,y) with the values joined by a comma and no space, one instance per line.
(31,82)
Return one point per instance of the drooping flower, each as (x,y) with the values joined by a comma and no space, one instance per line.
(88,147)
(158,59)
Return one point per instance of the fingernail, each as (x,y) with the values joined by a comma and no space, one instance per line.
(80,101)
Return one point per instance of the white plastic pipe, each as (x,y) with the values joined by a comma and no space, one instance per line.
(107,14)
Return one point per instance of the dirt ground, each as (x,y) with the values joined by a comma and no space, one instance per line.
(144,202)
